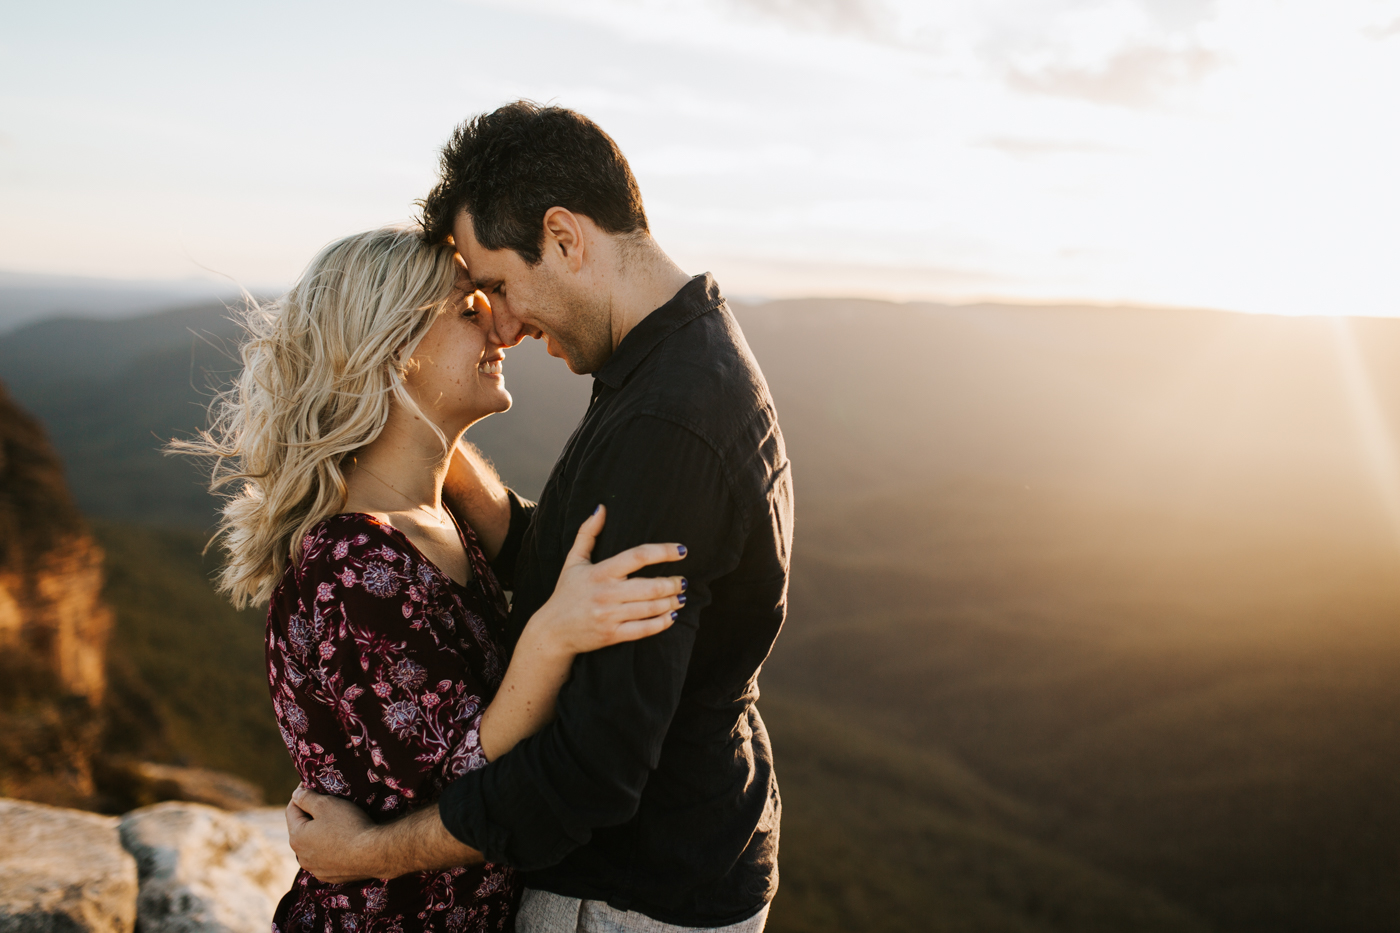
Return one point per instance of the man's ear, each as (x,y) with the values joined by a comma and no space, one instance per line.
(564,232)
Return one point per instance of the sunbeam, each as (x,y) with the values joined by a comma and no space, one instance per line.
(1377,443)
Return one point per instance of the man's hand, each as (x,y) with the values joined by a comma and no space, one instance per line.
(332,838)
(337,841)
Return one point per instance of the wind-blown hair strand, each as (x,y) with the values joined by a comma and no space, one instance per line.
(320,366)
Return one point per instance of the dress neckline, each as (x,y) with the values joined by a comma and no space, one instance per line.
(462,536)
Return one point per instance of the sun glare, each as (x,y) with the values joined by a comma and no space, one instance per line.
(1225,153)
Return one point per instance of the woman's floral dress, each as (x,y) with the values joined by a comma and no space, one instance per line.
(380,666)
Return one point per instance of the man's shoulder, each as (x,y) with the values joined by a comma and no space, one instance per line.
(705,376)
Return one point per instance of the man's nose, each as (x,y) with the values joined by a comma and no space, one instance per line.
(505,327)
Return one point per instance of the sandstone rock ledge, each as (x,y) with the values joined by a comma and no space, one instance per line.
(170,868)
(63,871)
(205,870)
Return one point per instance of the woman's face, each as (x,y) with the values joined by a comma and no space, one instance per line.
(459,378)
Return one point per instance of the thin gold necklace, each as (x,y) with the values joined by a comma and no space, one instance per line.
(437,516)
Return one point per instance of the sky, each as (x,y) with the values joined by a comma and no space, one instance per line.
(1236,154)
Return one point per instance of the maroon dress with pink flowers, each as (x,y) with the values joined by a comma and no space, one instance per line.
(380,666)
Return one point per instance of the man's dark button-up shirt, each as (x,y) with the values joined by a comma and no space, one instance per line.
(653,789)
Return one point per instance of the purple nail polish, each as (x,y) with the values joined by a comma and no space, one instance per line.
(597,508)
(674,616)
(681,599)
(681,549)
(684,584)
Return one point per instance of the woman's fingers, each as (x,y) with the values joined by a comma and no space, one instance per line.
(638,588)
(582,551)
(643,555)
(646,609)
(643,628)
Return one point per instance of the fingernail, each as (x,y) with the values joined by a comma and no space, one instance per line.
(681,599)
(597,508)
(674,616)
(684,583)
(681,549)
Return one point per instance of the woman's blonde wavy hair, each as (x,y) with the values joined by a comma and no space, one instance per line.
(320,366)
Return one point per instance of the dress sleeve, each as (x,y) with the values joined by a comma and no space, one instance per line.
(358,677)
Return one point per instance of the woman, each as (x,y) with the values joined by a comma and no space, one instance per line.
(384,658)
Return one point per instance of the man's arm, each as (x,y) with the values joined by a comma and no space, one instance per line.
(594,604)
(476,495)
(587,769)
(335,841)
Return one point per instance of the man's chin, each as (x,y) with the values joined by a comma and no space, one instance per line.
(575,361)
(556,351)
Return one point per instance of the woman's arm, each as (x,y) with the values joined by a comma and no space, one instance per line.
(593,606)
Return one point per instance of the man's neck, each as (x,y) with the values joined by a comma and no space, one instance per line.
(646,279)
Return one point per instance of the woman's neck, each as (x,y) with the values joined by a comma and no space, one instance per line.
(402,470)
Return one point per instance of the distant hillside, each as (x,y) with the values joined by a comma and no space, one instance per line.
(25,298)
(112,391)
(1101,601)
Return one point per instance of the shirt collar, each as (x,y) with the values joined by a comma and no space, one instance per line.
(698,296)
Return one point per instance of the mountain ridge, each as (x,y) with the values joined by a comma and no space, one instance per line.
(1128,568)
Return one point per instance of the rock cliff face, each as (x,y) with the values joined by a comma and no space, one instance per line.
(54,626)
(50,567)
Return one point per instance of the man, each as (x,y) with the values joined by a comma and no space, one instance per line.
(649,803)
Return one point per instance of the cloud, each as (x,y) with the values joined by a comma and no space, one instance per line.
(1383,32)
(1179,14)
(1135,77)
(870,18)
(1029,147)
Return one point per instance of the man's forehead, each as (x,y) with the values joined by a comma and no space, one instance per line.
(463,232)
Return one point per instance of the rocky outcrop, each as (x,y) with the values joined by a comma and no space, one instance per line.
(143,783)
(50,568)
(168,868)
(63,871)
(200,785)
(54,625)
(202,869)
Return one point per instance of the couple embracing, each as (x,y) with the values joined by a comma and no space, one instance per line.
(589,756)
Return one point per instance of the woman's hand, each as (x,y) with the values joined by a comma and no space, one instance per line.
(593,606)
(596,605)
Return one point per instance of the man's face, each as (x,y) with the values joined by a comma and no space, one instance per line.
(543,301)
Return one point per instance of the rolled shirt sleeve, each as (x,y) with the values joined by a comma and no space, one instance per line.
(587,769)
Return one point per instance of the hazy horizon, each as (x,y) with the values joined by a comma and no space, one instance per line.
(30,298)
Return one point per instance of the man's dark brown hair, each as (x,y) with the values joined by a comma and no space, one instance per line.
(510,166)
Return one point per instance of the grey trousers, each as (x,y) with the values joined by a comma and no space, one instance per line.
(546,912)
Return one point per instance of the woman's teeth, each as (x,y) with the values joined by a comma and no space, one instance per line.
(492,368)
